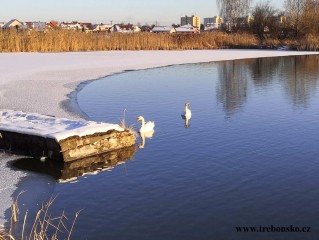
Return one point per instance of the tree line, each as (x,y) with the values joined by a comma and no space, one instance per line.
(299,19)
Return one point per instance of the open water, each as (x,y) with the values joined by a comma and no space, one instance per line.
(248,157)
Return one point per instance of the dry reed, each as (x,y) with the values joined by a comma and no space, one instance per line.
(67,40)
(44,225)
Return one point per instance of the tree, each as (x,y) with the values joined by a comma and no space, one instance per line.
(232,9)
(264,22)
(310,18)
(295,9)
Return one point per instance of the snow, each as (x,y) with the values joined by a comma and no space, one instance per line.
(41,83)
(49,126)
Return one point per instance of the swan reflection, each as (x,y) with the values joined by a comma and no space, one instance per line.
(145,135)
(186,115)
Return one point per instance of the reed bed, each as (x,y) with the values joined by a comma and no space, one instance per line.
(44,225)
(72,41)
(64,41)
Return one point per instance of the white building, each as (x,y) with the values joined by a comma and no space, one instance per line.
(163,29)
(213,22)
(187,29)
(14,23)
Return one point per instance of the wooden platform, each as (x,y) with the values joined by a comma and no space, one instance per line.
(59,139)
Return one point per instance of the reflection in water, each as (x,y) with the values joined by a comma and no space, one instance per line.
(298,75)
(186,120)
(301,81)
(232,85)
(71,170)
(186,115)
(144,135)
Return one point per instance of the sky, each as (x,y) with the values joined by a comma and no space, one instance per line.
(160,12)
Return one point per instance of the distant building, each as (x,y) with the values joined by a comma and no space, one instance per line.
(14,23)
(244,21)
(71,26)
(125,28)
(52,25)
(34,26)
(1,24)
(146,28)
(86,27)
(188,28)
(163,29)
(213,22)
(101,27)
(193,20)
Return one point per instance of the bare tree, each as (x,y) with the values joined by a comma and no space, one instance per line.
(310,18)
(264,23)
(295,9)
(233,9)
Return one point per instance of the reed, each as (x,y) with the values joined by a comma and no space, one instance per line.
(66,40)
(309,43)
(44,226)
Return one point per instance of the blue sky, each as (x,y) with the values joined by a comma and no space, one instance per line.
(96,11)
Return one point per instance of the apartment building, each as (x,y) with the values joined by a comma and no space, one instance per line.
(192,20)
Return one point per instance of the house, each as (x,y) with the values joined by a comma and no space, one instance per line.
(52,25)
(122,28)
(1,24)
(86,27)
(192,20)
(101,27)
(35,26)
(71,26)
(146,28)
(14,23)
(163,29)
(187,29)
(136,29)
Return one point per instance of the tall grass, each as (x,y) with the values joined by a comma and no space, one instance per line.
(44,226)
(65,40)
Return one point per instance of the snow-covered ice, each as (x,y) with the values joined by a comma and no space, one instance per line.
(50,127)
(41,83)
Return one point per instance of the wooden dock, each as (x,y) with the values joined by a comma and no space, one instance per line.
(59,139)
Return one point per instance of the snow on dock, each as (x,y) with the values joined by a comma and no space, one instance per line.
(64,139)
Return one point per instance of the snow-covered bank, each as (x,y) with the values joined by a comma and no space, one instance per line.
(40,82)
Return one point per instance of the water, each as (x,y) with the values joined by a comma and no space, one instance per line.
(248,158)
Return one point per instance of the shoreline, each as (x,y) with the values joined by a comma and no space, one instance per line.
(48,83)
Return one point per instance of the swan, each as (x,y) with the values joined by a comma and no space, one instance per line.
(187,114)
(146,127)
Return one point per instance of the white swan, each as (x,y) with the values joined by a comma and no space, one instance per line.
(187,114)
(146,127)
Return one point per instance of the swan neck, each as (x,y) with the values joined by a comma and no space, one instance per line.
(143,122)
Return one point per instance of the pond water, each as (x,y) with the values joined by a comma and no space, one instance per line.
(248,157)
